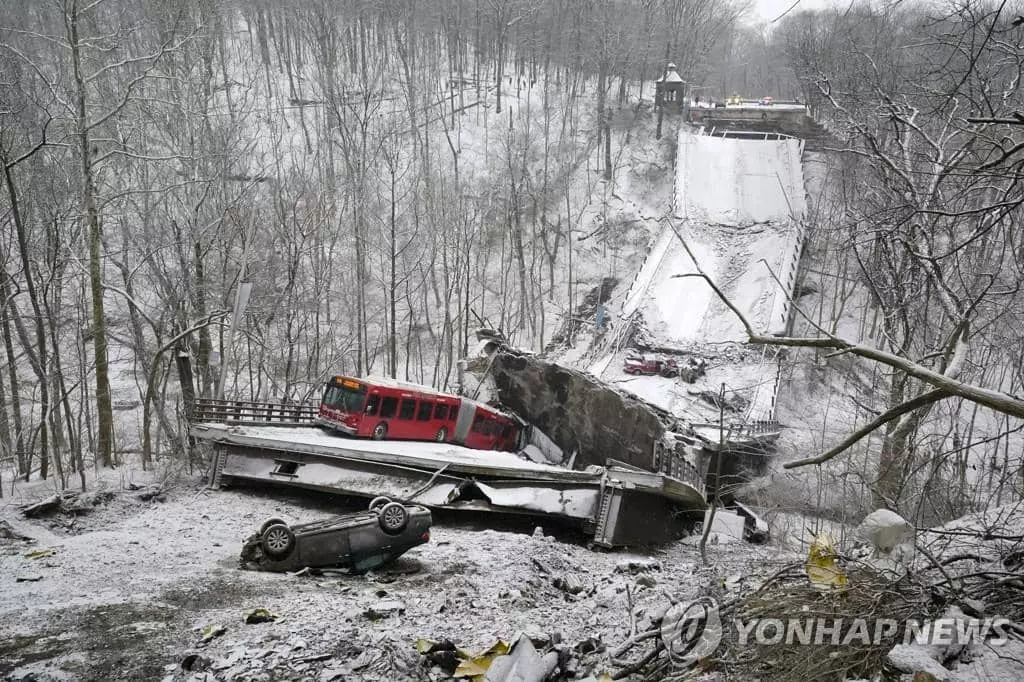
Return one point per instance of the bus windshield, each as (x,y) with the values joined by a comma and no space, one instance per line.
(345,398)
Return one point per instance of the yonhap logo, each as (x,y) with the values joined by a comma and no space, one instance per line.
(692,630)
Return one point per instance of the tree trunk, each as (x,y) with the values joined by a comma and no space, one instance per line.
(5,432)
(104,410)
(24,463)
(38,358)
(393,284)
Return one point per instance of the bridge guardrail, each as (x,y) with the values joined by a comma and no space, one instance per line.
(252,412)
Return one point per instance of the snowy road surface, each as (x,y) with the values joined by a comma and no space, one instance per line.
(413,453)
(738,205)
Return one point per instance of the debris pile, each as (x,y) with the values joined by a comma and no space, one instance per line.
(10,536)
(529,657)
(65,510)
(578,412)
(67,502)
(938,614)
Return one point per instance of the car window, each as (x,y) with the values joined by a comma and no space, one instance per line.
(388,407)
(408,409)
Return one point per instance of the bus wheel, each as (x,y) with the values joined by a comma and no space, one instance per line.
(442,435)
(380,432)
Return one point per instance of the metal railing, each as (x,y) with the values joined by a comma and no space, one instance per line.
(253,412)
(684,464)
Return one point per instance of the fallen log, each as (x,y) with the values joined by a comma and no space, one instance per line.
(47,506)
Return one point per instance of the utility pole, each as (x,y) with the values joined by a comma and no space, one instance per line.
(710,519)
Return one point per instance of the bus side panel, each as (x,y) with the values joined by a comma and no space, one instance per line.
(465,420)
(366,425)
(400,428)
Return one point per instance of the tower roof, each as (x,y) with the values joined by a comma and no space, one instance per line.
(671,77)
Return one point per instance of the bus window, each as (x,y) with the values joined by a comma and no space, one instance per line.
(426,409)
(388,407)
(371,405)
(453,413)
(440,411)
(478,425)
(407,409)
(345,398)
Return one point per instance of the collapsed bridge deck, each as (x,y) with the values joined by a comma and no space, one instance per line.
(620,504)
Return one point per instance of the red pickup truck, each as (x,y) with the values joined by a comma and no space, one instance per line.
(642,365)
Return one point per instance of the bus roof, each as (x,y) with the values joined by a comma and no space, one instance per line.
(388,382)
(485,406)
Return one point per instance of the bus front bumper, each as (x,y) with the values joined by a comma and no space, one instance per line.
(337,426)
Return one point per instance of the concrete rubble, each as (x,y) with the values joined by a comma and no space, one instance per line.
(469,588)
(727,527)
(577,412)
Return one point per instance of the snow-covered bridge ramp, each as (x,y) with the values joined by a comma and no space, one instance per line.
(739,205)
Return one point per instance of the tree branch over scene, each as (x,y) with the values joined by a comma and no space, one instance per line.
(945,385)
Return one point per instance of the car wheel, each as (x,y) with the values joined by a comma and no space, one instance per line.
(278,541)
(378,502)
(272,522)
(380,432)
(393,518)
(442,435)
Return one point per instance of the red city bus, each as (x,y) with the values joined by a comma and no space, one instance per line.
(384,408)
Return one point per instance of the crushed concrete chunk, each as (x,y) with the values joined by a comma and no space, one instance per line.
(384,609)
(917,658)
(522,664)
(634,566)
(571,583)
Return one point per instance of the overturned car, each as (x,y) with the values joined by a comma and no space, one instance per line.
(360,541)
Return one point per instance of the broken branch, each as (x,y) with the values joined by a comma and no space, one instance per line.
(996,400)
(866,430)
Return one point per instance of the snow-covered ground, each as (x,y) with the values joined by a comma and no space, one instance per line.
(128,587)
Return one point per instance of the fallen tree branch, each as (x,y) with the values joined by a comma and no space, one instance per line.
(866,430)
(639,665)
(1003,403)
(46,506)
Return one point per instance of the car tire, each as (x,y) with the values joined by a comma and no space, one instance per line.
(393,517)
(380,432)
(378,502)
(278,541)
(272,522)
(442,435)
